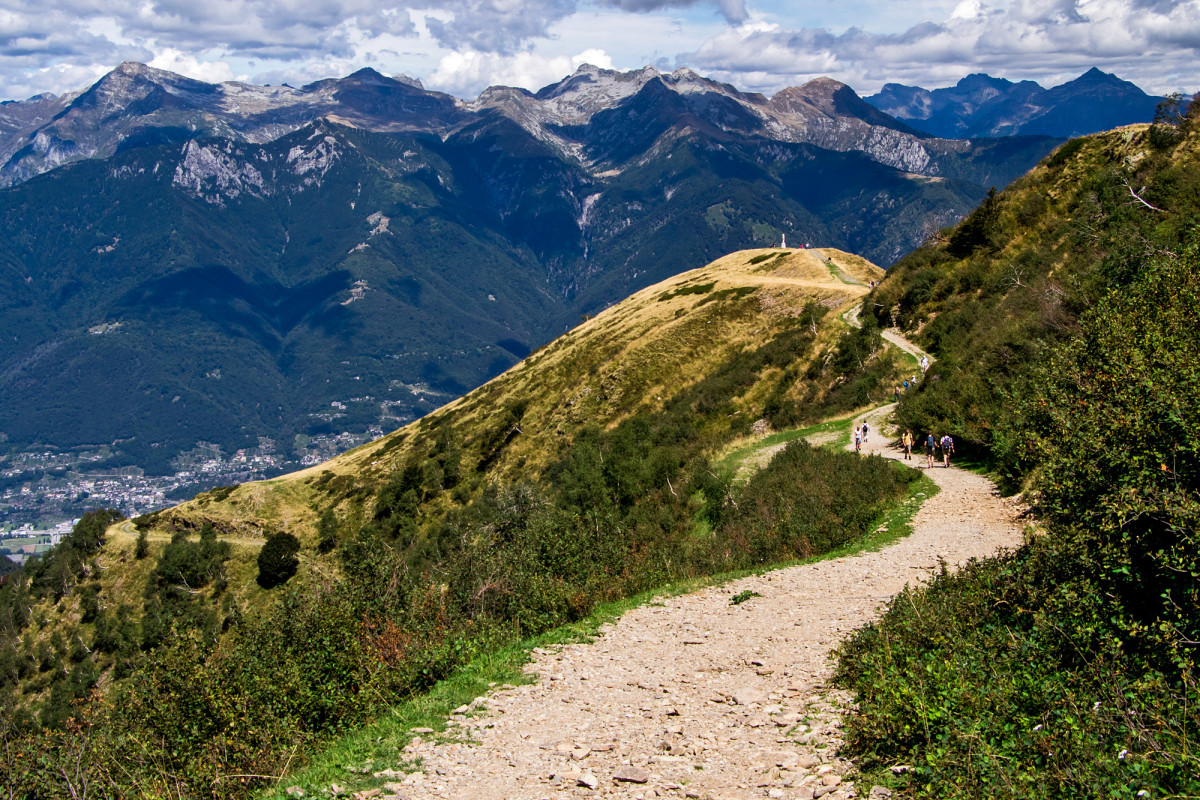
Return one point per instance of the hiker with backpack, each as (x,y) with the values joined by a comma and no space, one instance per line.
(907,441)
(947,449)
(930,446)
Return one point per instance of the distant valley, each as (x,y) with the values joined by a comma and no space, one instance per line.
(228,281)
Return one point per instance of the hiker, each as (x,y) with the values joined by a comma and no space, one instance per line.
(906,385)
(930,446)
(947,449)
(907,441)
(896,393)
(924,363)
(857,441)
(865,430)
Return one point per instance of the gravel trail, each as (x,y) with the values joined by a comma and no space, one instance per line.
(694,697)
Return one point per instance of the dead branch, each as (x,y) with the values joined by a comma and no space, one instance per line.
(1138,197)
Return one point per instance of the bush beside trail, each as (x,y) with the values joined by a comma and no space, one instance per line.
(1069,668)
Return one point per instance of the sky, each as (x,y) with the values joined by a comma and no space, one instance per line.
(463,46)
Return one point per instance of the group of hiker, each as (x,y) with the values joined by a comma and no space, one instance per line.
(933,444)
(910,383)
(860,436)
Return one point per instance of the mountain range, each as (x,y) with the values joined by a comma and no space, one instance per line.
(980,105)
(189,262)
(244,632)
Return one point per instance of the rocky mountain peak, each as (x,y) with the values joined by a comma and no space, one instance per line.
(818,94)
(409,80)
(977,81)
(1095,75)
(831,99)
(369,75)
(131,68)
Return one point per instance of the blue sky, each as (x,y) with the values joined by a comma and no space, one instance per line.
(463,46)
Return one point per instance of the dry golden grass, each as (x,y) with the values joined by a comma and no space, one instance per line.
(628,359)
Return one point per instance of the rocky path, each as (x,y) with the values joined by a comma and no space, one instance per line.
(695,697)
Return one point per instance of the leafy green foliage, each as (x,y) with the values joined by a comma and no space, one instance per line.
(277,561)
(1114,418)
(327,531)
(696,288)
(742,597)
(56,573)
(1067,669)
(191,564)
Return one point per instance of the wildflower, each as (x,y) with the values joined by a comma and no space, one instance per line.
(1122,754)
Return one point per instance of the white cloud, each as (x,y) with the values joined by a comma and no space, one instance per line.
(1152,42)
(464,45)
(182,63)
(967,9)
(466,74)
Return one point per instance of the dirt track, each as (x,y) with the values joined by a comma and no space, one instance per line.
(695,697)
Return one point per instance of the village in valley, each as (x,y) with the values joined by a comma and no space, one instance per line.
(44,492)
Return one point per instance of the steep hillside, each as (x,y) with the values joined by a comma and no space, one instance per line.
(993,294)
(1063,314)
(585,473)
(219,293)
(630,360)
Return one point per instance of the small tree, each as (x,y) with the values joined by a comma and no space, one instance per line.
(277,561)
(327,532)
(1166,131)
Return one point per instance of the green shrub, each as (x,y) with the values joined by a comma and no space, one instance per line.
(277,561)
(1069,668)
(327,531)
(188,564)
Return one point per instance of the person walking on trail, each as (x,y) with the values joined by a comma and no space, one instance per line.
(865,431)
(930,446)
(896,394)
(947,449)
(907,441)
(857,441)
(924,363)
